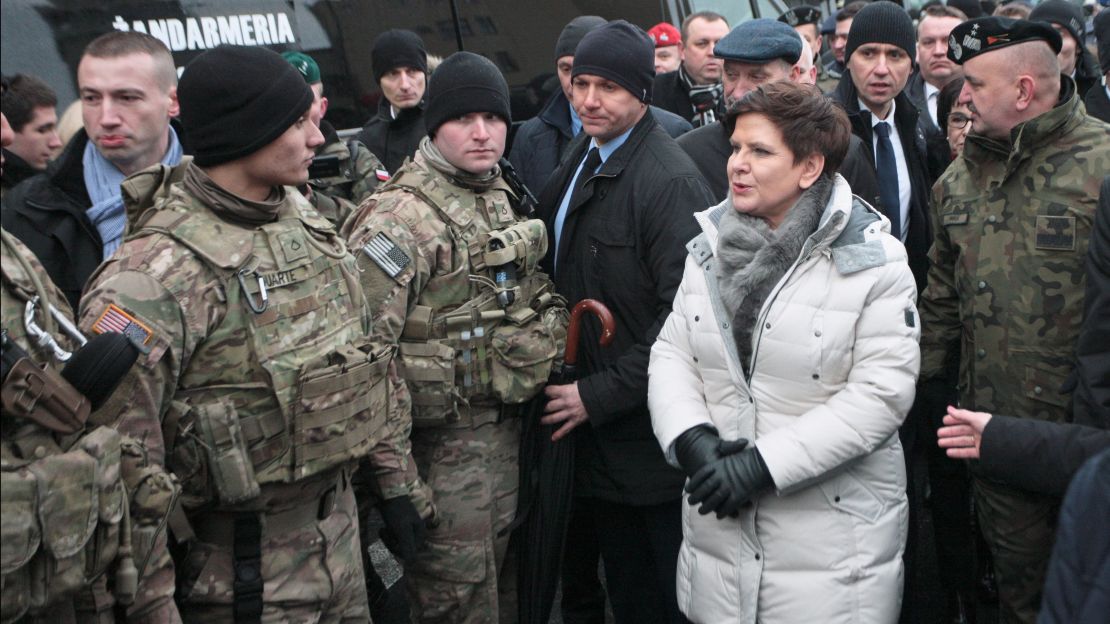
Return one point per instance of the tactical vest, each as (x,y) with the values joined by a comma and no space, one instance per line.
(461,344)
(73,504)
(286,386)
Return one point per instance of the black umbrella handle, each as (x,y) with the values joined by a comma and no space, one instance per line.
(608,327)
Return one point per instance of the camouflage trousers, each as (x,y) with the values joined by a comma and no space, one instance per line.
(312,574)
(1019,527)
(467,574)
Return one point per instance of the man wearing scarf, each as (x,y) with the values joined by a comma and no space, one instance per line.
(72,216)
(449,263)
(694,91)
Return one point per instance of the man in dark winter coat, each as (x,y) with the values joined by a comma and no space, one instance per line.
(756,52)
(619,212)
(1091,397)
(72,216)
(934,68)
(693,91)
(400,66)
(1098,96)
(540,142)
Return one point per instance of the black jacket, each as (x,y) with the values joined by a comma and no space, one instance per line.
(927,155)
(16,170)
(709,148)
(915,90)
(1091,397)
(1037,455)
(394,140)
(670,94)
(1098,103)
(540,142)
(623,243)
(48,214)
(1077,585)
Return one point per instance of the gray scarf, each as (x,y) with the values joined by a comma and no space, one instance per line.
(465,179)
(753,258)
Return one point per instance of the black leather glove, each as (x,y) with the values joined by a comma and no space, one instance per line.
(696,447)
(404,533)
(727,484)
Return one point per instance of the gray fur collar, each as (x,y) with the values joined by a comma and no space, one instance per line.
(753,258)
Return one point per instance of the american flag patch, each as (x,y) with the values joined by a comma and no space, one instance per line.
(386,254)
(382,174)
(114,319)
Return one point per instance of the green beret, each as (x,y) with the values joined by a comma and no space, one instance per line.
(983,34)
(304,64)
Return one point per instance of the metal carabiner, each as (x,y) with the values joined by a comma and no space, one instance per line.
(261,290)
(42,337)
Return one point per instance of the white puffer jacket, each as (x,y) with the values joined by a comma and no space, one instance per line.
(835,361)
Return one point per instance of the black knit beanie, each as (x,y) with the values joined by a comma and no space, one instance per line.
(235,100)
(573,32)
(1062,13)
(971,8)
(465,83)
(882,22)
(620,52)
(398,48)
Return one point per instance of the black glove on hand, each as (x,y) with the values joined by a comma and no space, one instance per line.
(404,531)
(727,484)
(696,447)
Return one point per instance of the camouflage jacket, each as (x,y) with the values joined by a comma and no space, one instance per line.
(1005,288)
(64,493)
(423,241)
(360,172)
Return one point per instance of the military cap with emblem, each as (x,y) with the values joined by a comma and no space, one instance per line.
(804,14)
(760,41)
(984,34)
(304,64)
(664,35)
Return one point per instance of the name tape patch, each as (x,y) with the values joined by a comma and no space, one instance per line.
(115,319)
(386,254)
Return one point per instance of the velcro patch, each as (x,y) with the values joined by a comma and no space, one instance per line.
(959,218)
(386,254)
(1055,233)
(115,319)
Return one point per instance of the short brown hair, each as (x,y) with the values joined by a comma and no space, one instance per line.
(810,123)
(118,43)
(708,16)
(941,10)
(1013,10)
(23,95)
(849,11)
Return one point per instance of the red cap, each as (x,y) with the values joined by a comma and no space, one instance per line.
(664,34)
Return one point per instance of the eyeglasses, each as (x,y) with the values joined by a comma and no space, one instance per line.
(957,120)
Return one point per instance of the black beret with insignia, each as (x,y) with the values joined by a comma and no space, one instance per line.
(799,15)
(983,34)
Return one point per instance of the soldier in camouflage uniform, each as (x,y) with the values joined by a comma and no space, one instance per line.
(259,387)
(1013,218)
(478,329)
(80,502)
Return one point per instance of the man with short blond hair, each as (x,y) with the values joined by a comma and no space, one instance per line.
(72,216)
(693,91)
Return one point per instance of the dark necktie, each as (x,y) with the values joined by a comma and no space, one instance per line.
(593,159)
(887,170)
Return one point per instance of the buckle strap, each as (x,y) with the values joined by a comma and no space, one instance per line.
(247,563)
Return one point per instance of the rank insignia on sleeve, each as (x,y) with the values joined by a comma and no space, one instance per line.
(115,319)
(386,254)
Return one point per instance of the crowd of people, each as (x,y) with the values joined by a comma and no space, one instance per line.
(857,268)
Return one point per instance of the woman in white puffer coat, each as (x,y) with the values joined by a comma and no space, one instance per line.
(780,379)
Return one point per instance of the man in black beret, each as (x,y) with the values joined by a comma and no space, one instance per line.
(400,65)
(757,52)
(619,211)
(806,20)
(1012,222)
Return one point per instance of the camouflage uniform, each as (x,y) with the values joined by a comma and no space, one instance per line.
(827,77)
(78,501)
(464,361)
(360,172)
(1006,290)
(259,389)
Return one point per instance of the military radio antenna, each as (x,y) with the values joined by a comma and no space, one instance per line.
(458,24)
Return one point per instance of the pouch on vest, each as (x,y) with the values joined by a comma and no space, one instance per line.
(103,445)
(428,369)
(68,508)
(523,356)
(340,410)
(20,536)
(229,463)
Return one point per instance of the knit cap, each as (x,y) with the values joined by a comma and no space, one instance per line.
(573,32)
(882,22)
(465,83)
(397,48)
(620,52)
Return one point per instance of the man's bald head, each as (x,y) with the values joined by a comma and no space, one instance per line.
(807,73)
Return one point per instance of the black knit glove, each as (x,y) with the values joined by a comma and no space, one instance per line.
(404,533)
(727,484)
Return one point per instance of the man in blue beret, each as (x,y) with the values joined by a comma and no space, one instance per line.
(754,53)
